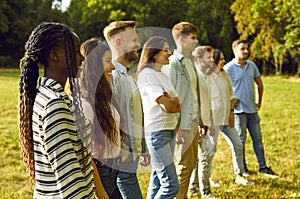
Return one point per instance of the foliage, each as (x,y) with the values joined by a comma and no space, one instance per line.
(19,18)
(272,26)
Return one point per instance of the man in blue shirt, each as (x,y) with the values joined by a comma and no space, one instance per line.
(244,73)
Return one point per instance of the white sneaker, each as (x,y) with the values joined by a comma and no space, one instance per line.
(213,183)
(209,196)
(241,180)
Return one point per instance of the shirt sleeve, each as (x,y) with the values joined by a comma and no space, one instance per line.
(63,146)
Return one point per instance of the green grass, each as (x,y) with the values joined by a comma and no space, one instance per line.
(280,122)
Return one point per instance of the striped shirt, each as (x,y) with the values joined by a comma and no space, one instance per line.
(59,171)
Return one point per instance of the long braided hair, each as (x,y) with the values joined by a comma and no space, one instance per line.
(96,89)
(44,38)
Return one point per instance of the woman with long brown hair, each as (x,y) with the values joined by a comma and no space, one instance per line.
(160,106)
(50,125)
(99,108)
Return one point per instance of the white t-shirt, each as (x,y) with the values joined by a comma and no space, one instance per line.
(151,85)
(107,150)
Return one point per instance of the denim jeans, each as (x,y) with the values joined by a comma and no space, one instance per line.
(163,181)
(250,121)
(233,139)
(127,180)
(108,175)
(200,175)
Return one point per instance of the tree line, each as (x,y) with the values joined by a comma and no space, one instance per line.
(272,27)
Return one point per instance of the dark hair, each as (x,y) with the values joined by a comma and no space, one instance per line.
(152,47)
(237,42)
(44,38)
(96,89)
(217,56)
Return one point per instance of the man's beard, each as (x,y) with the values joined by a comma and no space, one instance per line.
(131,56)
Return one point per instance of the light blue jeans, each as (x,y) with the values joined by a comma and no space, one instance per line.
(163,181)
(200,175)
(233,139)
(127,180)
(250,121)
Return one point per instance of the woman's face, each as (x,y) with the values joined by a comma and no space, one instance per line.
(221,62)
(163,56)
(108,66)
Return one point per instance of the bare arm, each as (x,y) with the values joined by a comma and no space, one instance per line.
(260,89)
(171,105)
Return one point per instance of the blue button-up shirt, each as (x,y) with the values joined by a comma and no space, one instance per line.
(128,99)
(243,84)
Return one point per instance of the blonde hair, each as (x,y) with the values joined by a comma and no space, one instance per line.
(116,27)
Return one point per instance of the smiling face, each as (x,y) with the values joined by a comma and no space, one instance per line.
(206,62)
(221,61)
(163,56)
(108,66)
(190,41)
(130,44)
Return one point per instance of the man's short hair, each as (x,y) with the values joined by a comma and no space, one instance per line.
(116,27)
(237,42)
(200,50)
(183,28)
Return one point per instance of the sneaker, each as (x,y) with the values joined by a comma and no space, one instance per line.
(194,193)
(241,180)
(267,171)
(213,183)
(209,196)
(246,172)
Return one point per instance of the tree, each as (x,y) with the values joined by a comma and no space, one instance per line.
(215,22)
(272,26)
(19,18)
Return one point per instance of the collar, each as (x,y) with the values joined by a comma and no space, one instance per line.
(119,67)
(178,55)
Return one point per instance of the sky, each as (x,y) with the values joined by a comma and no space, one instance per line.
(65,4)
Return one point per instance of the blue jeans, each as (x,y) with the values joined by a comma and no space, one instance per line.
(233,139)
(127,180)
(108,175)
(250,121)
(163,181)
(200,175)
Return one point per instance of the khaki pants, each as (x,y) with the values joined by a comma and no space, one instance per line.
(186,159)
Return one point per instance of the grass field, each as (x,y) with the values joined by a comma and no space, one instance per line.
(280,122)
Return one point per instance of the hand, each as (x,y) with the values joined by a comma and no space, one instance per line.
(211,130)
(202,130)
(166,94)
(236,103)
(145,159)
(179,137)
(258,105)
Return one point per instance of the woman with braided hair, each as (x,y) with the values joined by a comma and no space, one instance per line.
(53,132)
